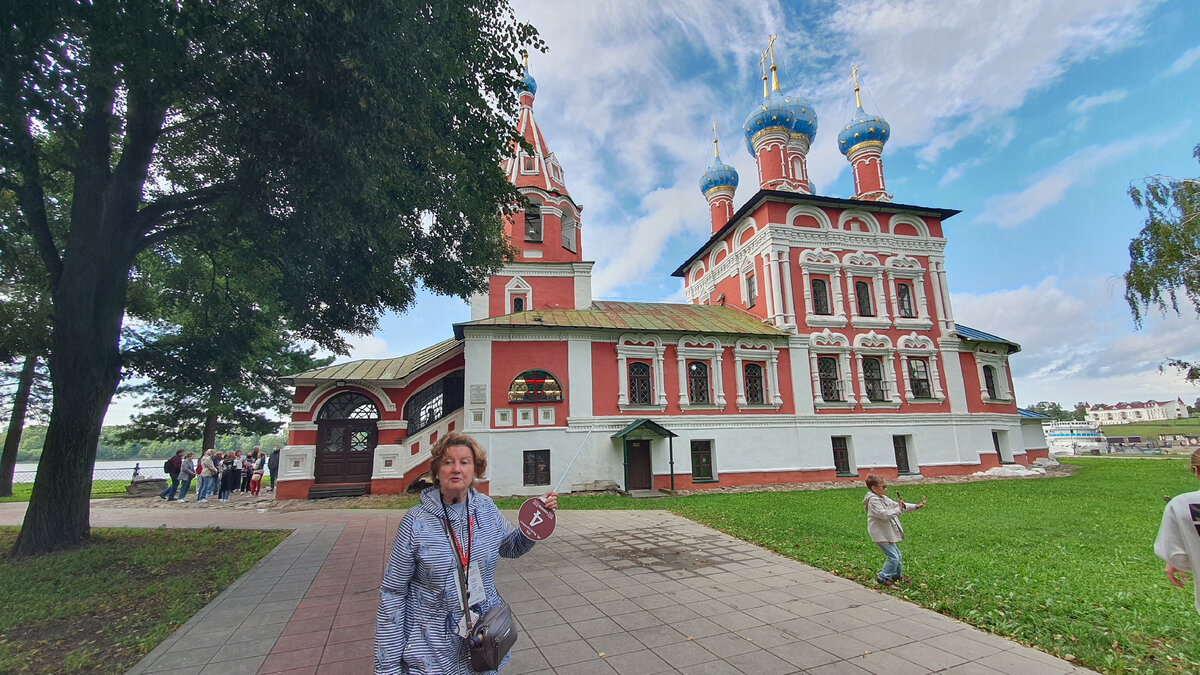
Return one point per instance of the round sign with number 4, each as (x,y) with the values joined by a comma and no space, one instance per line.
(536,521)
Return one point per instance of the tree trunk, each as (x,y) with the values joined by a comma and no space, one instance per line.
(210,431)
(16,424)
(85,367)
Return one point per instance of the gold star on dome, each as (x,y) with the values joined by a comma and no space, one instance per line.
(871,130)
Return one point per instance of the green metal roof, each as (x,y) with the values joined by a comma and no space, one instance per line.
(380,369)
(647,316)
(648,425)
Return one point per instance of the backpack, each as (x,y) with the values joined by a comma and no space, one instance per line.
(167,467)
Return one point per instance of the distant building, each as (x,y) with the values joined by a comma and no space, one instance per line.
(1138,411)
(1074,438)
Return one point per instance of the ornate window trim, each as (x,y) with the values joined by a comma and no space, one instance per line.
(920,346)
(906,268)
(517,288)
(874,345)
(824,263)
(1000,363)
(642,347)
(765,353)
(827,343)
(701,348)
(862,266)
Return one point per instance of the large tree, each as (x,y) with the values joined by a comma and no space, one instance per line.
(1164,259)
(348,150)
(211,354)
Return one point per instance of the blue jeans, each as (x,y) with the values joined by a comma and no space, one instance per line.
(184,485)
(893,566)
(169,493)
(205,489)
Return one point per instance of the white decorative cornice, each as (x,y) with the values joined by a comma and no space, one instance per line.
(321,390)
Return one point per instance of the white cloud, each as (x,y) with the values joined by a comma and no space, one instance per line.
(1083,104)
(1184,62)
(1049,188)
(955,172)
(1086,348)
(367,347)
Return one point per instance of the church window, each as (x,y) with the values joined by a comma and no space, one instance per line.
(702,468)
(528,164)
(989,381)
(831,384)
(568,233)
(697,382)
(349,406)
(639,383)
(862,293)
(820,297)
(518,304)
(904,301)
(434,402)
(534,385)
(918,378)
(755,391)
(537,467)
(873,379)
(841,455)
(533,224)
(751,290)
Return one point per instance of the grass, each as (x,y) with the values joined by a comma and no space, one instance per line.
(1152,430)
(1062,564)
(101,489)
(102,608)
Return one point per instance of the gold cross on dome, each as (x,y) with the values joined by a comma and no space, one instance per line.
(854,76)
(715,152)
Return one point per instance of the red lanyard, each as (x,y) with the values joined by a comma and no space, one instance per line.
(463,558)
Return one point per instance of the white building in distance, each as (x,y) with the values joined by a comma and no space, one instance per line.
(1138,411)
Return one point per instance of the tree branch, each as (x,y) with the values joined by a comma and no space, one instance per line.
(33,197)
(153,213)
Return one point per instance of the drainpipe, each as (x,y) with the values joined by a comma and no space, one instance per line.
(671,451)
(625,453)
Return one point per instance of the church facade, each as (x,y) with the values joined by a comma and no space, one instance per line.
(817,343)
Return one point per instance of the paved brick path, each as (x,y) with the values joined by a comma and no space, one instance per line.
(611,592)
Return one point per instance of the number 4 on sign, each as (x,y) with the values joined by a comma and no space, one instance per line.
(536,521)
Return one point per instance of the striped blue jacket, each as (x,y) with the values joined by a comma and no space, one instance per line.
(419,606)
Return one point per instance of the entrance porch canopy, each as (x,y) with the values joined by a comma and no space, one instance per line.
(658,430)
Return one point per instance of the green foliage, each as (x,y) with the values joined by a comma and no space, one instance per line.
(102,608)
(112,447)
(1055,411)
(1152,430)
(1164,258)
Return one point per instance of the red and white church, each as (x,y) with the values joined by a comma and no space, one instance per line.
(818,343)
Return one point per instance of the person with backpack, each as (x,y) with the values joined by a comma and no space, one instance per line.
(229,476)
(187,472)
(172,467)
(273,465)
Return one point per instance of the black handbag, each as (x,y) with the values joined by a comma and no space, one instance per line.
(491,637)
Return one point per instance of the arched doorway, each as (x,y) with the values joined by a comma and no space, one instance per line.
(346,436)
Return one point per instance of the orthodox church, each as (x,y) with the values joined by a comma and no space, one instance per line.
(817,343)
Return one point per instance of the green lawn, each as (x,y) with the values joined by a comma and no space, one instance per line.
(102,608)
(1062,564)
(100,490)
(1152,430)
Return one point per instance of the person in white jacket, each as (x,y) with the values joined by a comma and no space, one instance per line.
(883,524)
(1178,542)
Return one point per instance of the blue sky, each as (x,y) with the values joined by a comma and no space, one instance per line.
(1030,117)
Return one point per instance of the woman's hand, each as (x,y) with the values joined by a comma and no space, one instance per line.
(923,500)
(550,499)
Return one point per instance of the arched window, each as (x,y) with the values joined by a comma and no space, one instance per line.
(820,296)
(639,383)
(830,377)
(904,301)
(989,381)
(533,223)
(862,292)
(918,378)
(518,304)
(697,382)
(753,378)
(873,379)
(434,402)
(533,386)
(349,406)
(568,232)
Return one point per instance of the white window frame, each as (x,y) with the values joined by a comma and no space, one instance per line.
(545,415)
(905,268)
(827,343)
(1000,363)
(873,345)
(701,348)
(517,287)
(859,265)
(766,354)
(920,346)
(504,417)
(822,262)
(647,348)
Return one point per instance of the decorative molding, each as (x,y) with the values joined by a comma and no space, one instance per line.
(315,395)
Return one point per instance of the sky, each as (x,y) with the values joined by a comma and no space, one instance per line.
(1032,118)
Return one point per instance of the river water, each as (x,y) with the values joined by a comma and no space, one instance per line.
(109,470)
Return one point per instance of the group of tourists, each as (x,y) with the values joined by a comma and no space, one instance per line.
(222,474)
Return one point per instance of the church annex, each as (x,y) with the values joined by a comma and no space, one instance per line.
(818,343)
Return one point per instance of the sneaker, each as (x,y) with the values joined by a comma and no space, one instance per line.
(163,497)
(885,582)
(904,579)
(201,501)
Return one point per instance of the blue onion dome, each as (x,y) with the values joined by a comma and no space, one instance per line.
(780,111)
(528,83)
(718,174)
(861,129)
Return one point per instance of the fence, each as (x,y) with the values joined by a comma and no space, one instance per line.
(109,471)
